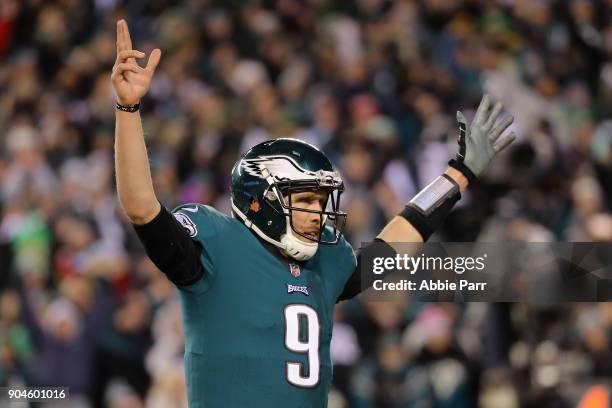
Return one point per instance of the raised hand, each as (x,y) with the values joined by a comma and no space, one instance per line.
(131,81)
(483,139)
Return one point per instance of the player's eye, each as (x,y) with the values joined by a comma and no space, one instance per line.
(303,199)
(309,199)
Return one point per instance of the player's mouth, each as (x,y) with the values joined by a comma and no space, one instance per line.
(314,235)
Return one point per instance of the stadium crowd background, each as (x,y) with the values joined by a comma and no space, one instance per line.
(376,85)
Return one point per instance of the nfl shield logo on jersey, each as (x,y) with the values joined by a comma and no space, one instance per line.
(295,269)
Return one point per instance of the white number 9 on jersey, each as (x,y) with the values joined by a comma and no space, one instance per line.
(310,346)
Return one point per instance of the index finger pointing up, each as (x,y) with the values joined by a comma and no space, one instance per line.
(124,42)
(127,40)
(120,45)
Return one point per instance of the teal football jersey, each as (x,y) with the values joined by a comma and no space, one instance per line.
(257,328)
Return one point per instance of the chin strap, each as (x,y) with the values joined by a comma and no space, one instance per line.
(289,243)
(296,248)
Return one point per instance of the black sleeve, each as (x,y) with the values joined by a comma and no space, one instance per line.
(171,249)
(354,285)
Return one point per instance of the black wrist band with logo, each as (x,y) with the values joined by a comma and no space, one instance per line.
(128,108)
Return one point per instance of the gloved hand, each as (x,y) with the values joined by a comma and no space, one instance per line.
(482,140)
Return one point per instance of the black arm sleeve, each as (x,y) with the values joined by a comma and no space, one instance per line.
(171,249)
(354,285)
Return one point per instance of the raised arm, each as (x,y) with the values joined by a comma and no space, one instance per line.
(478,145)
(164,239)
(131,83)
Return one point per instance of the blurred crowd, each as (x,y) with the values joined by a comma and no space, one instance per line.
(373,83)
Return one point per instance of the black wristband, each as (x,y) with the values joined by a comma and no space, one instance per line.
(418,221)
(128,108)
(465,170)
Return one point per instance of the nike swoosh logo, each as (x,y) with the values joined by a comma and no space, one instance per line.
(193,210)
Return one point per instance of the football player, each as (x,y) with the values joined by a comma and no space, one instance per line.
(258,289)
